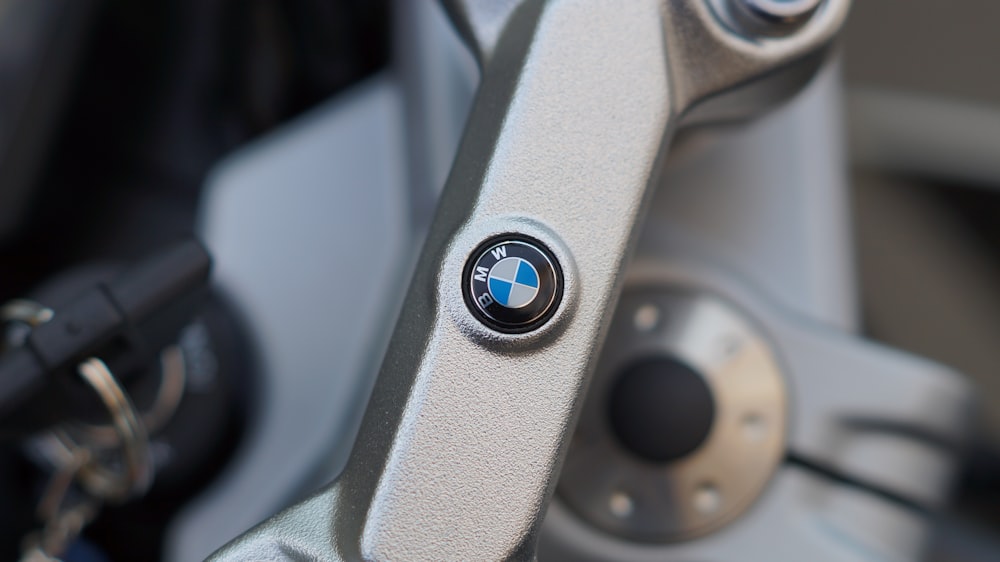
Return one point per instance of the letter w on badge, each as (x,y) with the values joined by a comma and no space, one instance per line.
(500,252)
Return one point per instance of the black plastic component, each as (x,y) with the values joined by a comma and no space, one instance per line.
(112,320)
(661,409)
(85,324)
(155,283)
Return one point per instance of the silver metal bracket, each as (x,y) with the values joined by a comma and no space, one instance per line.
(460,447)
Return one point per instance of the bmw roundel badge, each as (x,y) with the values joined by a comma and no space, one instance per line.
(513,283)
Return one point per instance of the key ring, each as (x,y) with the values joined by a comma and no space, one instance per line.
(78,452)
(173,379)
(81,463)
(173,375)
(127,430)
(97,478)
(59,446)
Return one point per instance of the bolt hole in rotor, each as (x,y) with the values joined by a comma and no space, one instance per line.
(707,499)
(646,318)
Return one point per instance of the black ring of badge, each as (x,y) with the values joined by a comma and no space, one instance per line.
(497,316)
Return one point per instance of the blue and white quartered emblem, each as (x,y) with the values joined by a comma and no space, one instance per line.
(513,283)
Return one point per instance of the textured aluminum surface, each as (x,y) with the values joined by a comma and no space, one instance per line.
(694,495)
(460,445)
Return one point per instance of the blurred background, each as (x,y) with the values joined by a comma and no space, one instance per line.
(924,141)
(113,113)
